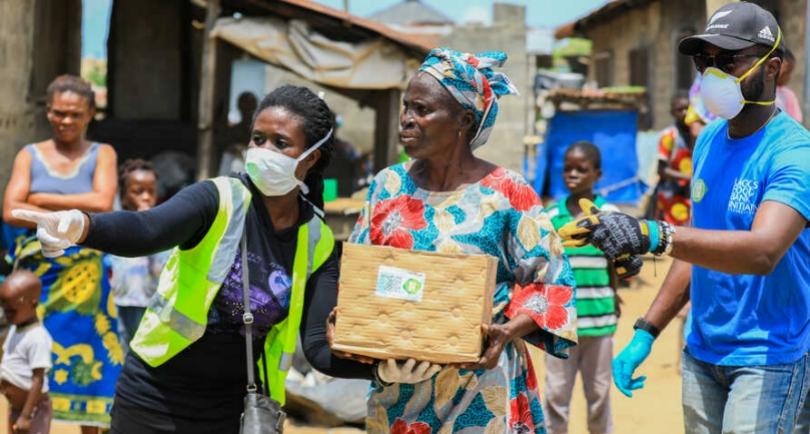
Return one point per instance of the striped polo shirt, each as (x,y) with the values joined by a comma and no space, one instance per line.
(596,309)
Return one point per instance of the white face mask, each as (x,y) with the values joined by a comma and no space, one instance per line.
(721,92)
(273,172)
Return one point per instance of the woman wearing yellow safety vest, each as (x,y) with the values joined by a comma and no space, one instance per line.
(187,371)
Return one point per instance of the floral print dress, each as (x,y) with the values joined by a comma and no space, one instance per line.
(500,216)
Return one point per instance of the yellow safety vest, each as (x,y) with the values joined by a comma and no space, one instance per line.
(177,314)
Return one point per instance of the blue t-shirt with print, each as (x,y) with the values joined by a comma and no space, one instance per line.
(747,319)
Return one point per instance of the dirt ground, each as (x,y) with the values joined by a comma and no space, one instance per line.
(656,408)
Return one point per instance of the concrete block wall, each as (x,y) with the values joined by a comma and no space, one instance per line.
(507,33)
(656,26)
(18,123)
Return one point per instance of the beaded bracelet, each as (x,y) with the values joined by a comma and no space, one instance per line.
(670,233)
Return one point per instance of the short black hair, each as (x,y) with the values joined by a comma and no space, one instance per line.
(72,83)
(127,168)
(318,120)
(590,150)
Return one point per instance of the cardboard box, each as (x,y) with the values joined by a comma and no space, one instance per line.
(395,303)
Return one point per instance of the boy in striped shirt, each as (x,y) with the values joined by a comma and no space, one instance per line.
(597,307)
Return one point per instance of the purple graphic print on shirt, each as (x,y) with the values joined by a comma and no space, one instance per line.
(270,288)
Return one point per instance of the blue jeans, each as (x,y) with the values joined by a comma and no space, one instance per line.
(803,425)
(743,399)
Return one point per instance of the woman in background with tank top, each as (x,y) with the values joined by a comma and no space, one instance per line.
(64,172)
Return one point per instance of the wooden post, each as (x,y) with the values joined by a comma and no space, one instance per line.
(386,128)
(205,122)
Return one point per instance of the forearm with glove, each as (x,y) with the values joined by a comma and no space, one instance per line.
(620,236)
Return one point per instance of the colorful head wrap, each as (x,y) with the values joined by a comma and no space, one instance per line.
(473,83)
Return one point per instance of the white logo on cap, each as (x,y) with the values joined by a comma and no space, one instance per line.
(765,33)
(719,15)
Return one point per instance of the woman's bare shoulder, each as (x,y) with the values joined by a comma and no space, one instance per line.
(106,148)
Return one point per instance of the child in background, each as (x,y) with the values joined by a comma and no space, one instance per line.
(596,301)
(26,356)
(134,280)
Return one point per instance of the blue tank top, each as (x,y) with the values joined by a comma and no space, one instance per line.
(45,180)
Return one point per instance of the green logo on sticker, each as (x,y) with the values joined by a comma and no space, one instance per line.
(411,286)
(698,190)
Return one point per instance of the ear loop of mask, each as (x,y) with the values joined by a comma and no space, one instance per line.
(317,145)
(306,153)
(758,64)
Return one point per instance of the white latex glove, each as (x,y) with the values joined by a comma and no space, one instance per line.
(407,372)
(56,230)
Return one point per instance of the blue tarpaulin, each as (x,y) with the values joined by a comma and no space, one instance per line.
(614,132)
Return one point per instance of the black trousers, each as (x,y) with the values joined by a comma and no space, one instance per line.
(132,420)
(199,391)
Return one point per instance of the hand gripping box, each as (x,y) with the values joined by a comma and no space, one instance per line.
(395,303)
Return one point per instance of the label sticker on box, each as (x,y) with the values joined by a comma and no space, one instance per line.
(402,284)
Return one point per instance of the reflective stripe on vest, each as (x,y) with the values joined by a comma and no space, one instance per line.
(182,324)
(314,246)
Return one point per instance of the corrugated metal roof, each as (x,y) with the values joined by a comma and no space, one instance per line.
(335,18)
(410,13)
(420,42)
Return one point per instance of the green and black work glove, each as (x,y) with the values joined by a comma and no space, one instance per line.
(620,236)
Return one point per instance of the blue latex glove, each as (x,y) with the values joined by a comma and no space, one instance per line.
(629,359)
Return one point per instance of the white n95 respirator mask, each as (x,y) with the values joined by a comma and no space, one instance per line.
(721,92)
(273,172)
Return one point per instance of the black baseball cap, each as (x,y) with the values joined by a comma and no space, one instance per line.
(735,26)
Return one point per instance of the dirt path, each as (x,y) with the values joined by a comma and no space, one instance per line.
(655,409)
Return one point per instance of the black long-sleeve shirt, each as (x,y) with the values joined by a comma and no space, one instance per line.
(183,221)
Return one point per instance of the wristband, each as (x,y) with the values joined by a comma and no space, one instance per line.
(652,229)
(665,238)
(642,324)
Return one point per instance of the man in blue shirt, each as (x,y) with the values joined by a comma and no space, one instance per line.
(746,367)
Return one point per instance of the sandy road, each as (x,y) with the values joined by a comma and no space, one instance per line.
(655,409)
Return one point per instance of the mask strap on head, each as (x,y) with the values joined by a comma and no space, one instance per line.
(759,63)
(305,154)
(317,145)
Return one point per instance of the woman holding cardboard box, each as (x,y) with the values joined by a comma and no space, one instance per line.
(254,236)
(447,200)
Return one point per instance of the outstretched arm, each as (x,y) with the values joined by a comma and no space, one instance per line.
(776,227)
(181,221)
